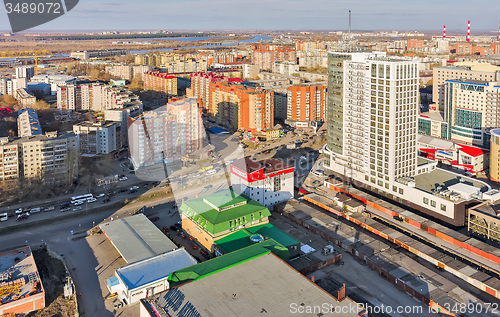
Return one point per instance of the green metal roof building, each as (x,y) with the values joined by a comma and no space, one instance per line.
(207,268)
(224,212)
(248,236)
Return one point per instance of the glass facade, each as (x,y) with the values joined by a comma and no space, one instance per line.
(424,126)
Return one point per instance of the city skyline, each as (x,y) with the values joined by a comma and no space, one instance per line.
(277,15)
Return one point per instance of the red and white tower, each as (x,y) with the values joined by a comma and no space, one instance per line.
(499,33)
(444,32)
(468,31)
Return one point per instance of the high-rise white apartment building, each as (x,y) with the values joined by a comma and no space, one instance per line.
(377,116)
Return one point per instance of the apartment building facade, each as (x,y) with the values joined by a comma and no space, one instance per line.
(266,55)
(9,159)
(98,138)
(161,82)
(306,102)
(166,134)
(200,86)
(460,70)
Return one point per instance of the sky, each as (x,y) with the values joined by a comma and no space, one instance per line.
(274,14)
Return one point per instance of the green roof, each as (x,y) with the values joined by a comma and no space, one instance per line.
(215,220)
(226,261)
(241,238)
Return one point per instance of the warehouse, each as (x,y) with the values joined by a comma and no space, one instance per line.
(136,238)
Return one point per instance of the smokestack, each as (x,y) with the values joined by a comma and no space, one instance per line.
(444,32)
(349,22)
(498,33)
(468,31)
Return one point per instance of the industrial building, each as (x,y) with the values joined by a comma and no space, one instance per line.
(215,216)
(98,53)
(54,80)
(21,290)
(147,277)
(268,181)
(136,238)
(262,285)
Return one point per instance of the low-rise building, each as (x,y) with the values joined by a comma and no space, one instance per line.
(469,159)
(268,181)
(55,81)
(21,289)
(24,97)
(261,285)
(145,278)
(215,216)
(433,124)
(98,53)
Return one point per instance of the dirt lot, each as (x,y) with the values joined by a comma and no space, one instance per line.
(53,275)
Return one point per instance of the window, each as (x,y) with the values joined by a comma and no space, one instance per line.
(443,207)
(433,203)
(401,191)
(394,189)
(426,200)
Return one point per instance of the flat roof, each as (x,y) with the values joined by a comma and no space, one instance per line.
(438,115)
(435,142)
(217,130)
(17,266)
(241,238)
(155,268)
(264,285)
(438,177)
(136,238)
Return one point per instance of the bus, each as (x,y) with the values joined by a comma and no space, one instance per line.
(82,197)
(206,168)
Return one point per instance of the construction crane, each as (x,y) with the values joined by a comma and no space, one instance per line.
(24,54)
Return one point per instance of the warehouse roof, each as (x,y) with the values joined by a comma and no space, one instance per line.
(220,263)
(154,269)
(136,238)
(264,285)
(242,238)
(215,212)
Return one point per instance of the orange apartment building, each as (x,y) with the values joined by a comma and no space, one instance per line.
(470,49)
(306,102)
(241,108)
(161,82)
(413,44)
(200,86)
(265,55)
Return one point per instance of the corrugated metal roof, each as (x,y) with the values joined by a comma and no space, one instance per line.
(154,269)
(136,238)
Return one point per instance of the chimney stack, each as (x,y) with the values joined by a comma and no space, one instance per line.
(444,32)
(468,31)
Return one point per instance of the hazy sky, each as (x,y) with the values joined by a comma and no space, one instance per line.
(275,14)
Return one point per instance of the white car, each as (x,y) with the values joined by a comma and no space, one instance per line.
(19,211)
(35,210)
(91,200)
(79,202)
(100,195)
(77,208)
(134,187)
(123,178)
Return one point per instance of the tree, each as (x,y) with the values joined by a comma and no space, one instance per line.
(136,83)
(94,74)
(8,101)
(40,105)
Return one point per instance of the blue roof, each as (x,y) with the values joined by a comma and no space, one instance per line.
(34,125)
(217,130)
(113,281)
(156,268)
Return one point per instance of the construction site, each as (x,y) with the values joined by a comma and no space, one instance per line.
(21,289)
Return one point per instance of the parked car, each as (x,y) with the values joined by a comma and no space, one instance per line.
(154,219)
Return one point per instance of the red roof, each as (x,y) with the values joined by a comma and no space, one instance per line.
(235,80)
(471,150)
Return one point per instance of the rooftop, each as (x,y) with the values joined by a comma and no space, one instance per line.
(437,116)
(213,212)
(444,179)
(242,238)
(269,165)
(155,268)
(262,285)
(223,262)
(474,66)
(17,268)
(136,238)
